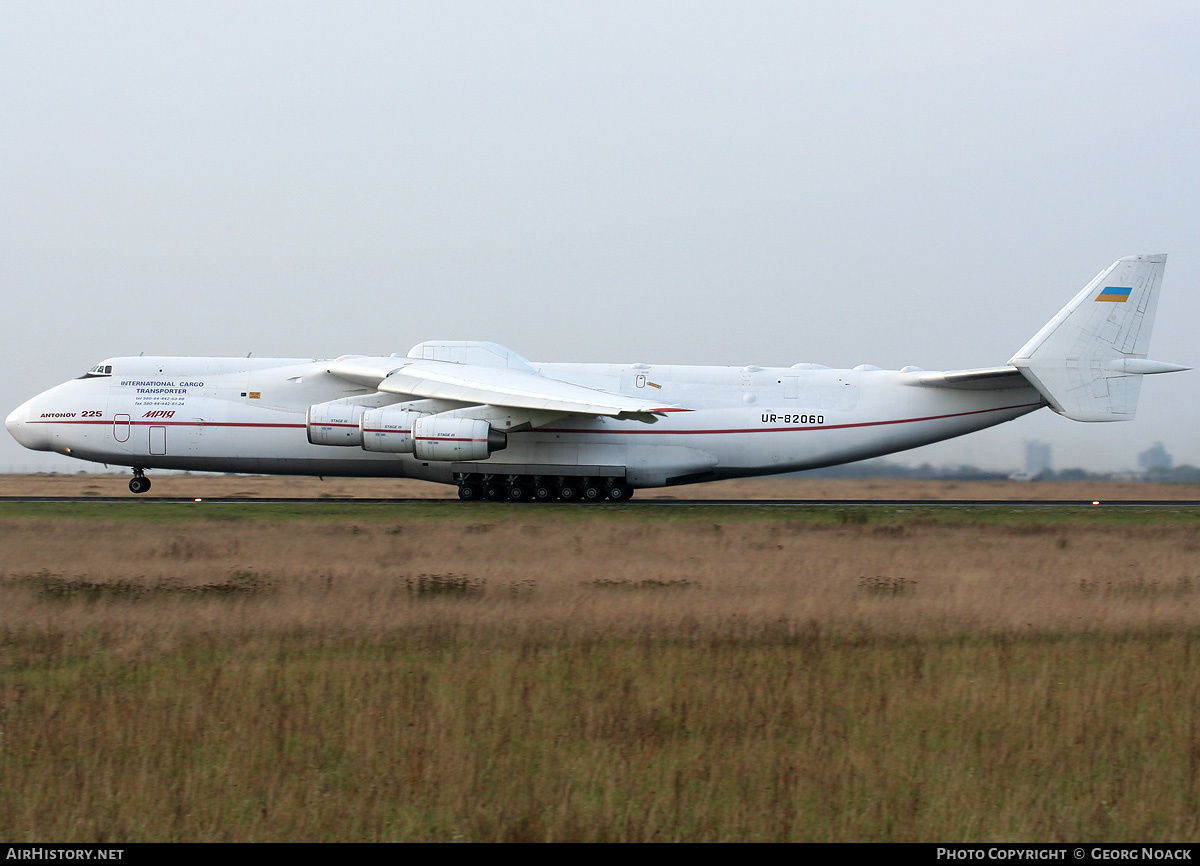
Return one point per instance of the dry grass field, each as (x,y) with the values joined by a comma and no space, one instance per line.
(476,672)
(264,486)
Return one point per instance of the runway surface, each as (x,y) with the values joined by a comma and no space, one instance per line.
(639,503)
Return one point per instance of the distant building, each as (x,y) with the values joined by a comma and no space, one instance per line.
(1155,457)
(1037,458)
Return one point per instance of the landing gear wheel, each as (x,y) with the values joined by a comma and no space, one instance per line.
(518,493)
(543,492)
(468,492)
(619,493)
(492,492)
(139,484)
(592,492)
(568,492)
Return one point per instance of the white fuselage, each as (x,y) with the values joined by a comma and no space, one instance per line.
(249,415)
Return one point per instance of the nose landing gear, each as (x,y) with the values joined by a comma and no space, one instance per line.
(139,483)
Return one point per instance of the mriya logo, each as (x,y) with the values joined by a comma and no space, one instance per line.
(159,413)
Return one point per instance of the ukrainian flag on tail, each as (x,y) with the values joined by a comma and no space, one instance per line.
(1116,294)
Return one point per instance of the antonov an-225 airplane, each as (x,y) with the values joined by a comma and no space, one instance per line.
(500,427)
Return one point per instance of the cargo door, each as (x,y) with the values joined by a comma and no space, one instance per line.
(158,441)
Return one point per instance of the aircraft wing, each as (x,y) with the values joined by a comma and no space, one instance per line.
(983,379)
(493,386)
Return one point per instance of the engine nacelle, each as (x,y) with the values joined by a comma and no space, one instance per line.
(440,438)
(388,429)
(334,423)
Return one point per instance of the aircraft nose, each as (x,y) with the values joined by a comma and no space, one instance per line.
(30,435)
(13,421)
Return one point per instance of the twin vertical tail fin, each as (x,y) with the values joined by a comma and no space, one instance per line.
(1088,361)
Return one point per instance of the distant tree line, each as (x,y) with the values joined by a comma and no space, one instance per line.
(1184,474)
(887,469)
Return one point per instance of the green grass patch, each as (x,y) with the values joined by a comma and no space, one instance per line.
(50,587)
(443,585)
(648,583)
(887,586)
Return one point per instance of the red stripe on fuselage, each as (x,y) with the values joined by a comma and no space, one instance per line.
(444,439)
(245,424)
(789,429)
(154,422)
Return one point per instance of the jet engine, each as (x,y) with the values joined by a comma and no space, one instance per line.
(436,437)
(334,423)
(388,429)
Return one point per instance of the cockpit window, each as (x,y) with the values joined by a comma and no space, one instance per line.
(98,370)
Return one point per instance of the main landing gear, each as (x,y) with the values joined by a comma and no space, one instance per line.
(524,488)
(139,483)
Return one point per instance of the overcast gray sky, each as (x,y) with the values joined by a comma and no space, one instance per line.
(682,182)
